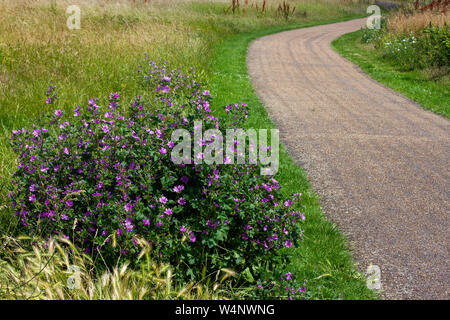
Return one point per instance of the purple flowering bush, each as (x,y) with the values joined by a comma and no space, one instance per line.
(103,177)
(286,286)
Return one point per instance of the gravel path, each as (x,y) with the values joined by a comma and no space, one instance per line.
(380,163)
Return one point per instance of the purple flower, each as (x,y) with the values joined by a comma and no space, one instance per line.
(108,115)
(178,189)
(64,216)
(128,224)
(163,199)
(162,150)
(192,237)
(288,276)
(105,128)
(32,198)
(146,222)
(58,112)
(288,244)
(184,179)
(181,201)
(128,207)
(183,229)
(168,212)
(69,203)
(114,96)
(206,106)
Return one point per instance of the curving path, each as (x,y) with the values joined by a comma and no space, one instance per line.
(380,163)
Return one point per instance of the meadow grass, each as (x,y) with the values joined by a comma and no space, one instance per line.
(37,49)
(427,87)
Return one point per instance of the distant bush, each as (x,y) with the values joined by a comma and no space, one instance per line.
(103,177)
(413,40)
(428,48)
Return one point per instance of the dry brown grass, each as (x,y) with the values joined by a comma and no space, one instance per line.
(280,8)
(403,22)
(114,23)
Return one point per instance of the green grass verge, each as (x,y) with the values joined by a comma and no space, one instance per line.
(417,85)
(323,258)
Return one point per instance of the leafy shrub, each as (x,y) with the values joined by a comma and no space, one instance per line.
(402,50)
(437,45)
(370,35)
(104,177)
(429,48)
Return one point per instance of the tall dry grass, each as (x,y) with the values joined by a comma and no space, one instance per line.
(55,270)
(406,22)
(272,7)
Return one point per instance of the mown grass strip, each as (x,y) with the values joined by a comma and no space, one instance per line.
(323,259)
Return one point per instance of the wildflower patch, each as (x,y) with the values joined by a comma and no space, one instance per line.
(103,177)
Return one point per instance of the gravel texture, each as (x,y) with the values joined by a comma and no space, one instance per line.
(380,163)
